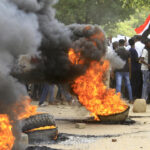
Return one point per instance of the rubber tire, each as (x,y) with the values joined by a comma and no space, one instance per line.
(42,136)
(40,148)
(37,121)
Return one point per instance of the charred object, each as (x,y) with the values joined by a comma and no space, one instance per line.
(40,128)
(115,118)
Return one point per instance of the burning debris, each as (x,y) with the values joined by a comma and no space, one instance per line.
(121,117)
(34,46)
(40,128)
(91,90)
(38,122)
(54,65)
(19,35)
(93,93)
(7,139)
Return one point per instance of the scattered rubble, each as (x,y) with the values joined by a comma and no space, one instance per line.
(114,140)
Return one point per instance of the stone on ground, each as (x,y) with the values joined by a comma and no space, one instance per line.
(139,105)
(80,125)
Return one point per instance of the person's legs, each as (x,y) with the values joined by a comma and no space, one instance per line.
(44,94)
(41,86)
(67,96)
(118,81)
(145,74)
(51,92)
(134,84)
(32,89)
(128,85)
(35,90)
(58,96)
(139,84)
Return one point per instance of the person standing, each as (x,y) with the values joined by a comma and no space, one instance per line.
(115,45)
(139,46)
(64,95)
(124,72)
(47,89)
(135,71)
(145,60)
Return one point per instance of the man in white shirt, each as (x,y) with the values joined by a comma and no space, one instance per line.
(139,46)
(145,70)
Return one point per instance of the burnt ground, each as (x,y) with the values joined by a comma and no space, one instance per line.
(96,136)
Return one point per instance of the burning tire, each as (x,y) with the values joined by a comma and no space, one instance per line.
(40,148)
(40,128)
(37,121)
(115,118)
(43,136)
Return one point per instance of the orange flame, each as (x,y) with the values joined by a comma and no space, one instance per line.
(75,58)
(93,93)
(87,28)
(31,110)
(98,35)
(25,109)
(6,137)
(42,128)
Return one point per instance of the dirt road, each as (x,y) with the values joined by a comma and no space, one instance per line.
(110,136)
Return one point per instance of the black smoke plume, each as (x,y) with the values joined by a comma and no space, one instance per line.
(34,48)
(53,64)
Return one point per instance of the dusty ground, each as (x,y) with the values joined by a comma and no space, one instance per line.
(128,137)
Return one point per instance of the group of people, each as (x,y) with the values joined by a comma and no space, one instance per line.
(51,92)
(135,73)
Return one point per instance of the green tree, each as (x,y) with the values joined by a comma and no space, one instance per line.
(136,3)
(127,26)
(91,11)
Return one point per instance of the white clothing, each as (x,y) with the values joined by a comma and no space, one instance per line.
(109,48)
(145,56)
(139,46)
(115,61)
(128,47)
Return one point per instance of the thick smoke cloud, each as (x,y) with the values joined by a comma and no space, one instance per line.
(82,34)
(33,5)
(18,35)
(54,65)
(55,48)
(28,5)
(7,94)
(55,44)
(30,33)
(115,61)
(19,31)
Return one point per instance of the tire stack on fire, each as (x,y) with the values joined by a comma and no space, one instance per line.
(40,128)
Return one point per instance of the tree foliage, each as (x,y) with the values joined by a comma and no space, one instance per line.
(91,11)
(115,16)
(136,3)
(127,26)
